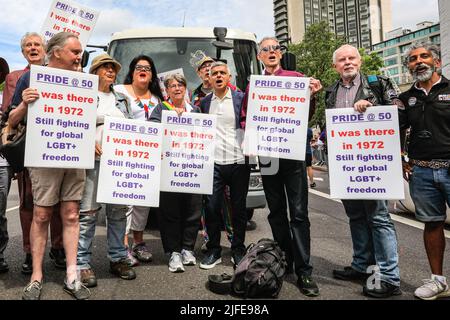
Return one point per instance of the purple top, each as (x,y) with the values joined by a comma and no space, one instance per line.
(284,73)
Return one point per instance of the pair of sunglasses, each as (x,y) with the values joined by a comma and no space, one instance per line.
(271,48)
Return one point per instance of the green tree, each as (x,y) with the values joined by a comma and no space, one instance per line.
(371,63)
(315,59)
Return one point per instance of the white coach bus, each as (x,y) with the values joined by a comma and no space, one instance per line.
(171,49)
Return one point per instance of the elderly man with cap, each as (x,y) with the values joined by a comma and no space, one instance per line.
(113,104)
(202,64)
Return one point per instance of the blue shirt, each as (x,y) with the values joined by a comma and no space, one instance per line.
(22,84)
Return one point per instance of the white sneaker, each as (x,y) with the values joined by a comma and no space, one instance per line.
(432,289)
(175,264)
(188,258)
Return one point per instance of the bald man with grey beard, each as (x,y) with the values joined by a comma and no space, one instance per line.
(372,230)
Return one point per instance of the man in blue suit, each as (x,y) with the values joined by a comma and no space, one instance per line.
(230,167)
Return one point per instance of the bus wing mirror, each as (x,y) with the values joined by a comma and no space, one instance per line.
(289,61)
(181,46)
(220,33)
(85,58)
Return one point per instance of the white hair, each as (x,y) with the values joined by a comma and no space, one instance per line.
(29,35)
(343,47)
(58,41)
(267,39)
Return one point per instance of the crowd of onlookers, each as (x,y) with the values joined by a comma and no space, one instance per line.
(319,149)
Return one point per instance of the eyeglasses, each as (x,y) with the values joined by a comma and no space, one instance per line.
(143,68)
(271,48)
(179,85)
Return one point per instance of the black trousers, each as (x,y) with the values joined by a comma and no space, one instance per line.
(236,176)
(178,221)
(293,234)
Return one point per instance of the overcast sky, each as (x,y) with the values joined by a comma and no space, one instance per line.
(407,13)
(20,16)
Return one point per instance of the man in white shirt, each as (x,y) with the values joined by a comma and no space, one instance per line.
(230,167)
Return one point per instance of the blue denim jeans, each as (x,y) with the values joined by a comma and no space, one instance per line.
(5,183)
(374,238)
(430,190)
(116,222)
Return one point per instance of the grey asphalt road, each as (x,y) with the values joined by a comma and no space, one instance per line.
(330,246)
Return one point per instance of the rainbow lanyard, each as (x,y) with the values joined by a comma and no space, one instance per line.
(145,106)
(171,106)
(168,105)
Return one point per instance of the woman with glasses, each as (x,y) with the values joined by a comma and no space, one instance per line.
(179,222)
(142,87)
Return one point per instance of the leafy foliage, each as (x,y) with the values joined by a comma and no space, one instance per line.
(315,59)
(371,63)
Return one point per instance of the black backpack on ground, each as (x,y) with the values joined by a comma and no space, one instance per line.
(261,272)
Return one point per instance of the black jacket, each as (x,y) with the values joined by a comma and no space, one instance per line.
(430,113)
(379,90)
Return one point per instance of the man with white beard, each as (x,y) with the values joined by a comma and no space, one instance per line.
(426,112)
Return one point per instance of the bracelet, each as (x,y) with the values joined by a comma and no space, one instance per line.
(404,157)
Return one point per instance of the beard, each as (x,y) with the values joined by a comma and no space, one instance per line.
(349,75)
(423,76)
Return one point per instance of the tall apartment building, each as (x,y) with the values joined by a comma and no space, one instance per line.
(444,17)
(392,51)
(362,22)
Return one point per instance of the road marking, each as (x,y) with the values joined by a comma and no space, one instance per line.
(318,179)
(323,195)
(12,209)
(407,221)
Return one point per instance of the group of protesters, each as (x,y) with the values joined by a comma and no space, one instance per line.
(65,199)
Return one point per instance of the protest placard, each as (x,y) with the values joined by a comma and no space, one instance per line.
(188,152)
(277,117)
(130,165)
(364,154)
(61,123)
(163,75)
(68,16)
